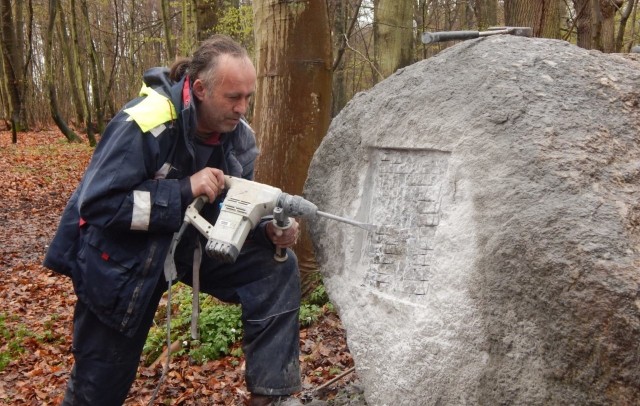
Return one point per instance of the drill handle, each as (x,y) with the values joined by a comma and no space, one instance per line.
(281,221)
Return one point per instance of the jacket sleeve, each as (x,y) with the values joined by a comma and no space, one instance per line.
(121,189)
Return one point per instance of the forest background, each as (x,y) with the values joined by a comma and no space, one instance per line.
(76,62)
(69,65)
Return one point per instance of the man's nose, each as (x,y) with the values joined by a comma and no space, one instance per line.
(241,107)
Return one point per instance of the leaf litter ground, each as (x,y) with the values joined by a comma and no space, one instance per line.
(37,176)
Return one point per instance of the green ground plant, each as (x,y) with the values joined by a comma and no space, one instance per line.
(12,342)
(219,324)
(13,338)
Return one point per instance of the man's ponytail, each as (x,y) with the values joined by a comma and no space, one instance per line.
(179,68)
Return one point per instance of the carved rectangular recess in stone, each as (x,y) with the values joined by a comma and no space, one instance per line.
(405,195)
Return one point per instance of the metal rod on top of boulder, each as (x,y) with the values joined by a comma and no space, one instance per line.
(440,36)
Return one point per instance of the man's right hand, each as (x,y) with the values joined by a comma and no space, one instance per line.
(209,182)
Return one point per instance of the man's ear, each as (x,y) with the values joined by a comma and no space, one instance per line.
(198,89)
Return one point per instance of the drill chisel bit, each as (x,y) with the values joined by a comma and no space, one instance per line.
(364,226)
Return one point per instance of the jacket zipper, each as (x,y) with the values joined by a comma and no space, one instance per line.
(136,291)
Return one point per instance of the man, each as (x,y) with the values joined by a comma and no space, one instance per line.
(173,143)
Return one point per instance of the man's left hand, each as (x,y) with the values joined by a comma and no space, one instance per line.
(283,238)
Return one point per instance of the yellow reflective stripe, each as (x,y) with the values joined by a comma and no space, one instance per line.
(154,110)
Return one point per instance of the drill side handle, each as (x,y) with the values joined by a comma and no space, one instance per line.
(192,215)
(281,221)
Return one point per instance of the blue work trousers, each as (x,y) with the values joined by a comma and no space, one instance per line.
(106,361)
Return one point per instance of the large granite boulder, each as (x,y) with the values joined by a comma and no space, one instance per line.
(504,177)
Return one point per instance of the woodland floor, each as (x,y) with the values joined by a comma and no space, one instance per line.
(37,176)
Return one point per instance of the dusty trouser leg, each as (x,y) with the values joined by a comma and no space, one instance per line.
(271,332)
(106,361)
(269,292)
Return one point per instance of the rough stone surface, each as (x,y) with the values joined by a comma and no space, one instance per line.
(503,175)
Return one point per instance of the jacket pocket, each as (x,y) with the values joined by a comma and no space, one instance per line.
(105,270)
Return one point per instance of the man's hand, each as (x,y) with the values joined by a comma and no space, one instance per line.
(283,238)
(209,182)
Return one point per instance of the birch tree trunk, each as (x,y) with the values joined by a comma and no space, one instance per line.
(293,99)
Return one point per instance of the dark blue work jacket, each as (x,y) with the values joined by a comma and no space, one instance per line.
(115,231)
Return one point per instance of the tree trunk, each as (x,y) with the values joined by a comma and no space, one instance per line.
(624,17)
(583,23)
(293,99)
(72,67)
(5,112)
(597,21)
(167,30)
(552,13)
(189,28)
(96,79)
(53,100)
(543,16)
(392,34)
(81,79)
(20,57)
(464,15)
(339,91)
(108,101)
(602,24)
(486,13)
(609,9)
(207,16)
(343,25)
(13,67)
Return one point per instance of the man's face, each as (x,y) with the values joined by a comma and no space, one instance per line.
(226,100)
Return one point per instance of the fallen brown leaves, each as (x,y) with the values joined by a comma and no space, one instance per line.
(37,176)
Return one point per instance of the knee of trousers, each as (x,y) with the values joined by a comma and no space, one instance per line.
(276,293)
(288,274)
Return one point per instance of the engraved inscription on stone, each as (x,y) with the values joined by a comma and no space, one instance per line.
(405,200)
